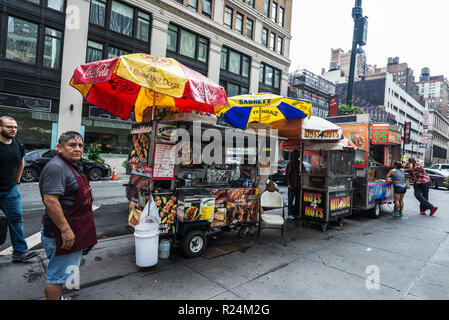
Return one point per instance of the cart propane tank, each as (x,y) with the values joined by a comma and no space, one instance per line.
(164,249)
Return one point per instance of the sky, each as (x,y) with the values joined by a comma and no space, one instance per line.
(416,31)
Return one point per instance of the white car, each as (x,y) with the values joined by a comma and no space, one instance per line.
(443,168)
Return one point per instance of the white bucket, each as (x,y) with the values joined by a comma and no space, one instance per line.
(146,236)
(164,249)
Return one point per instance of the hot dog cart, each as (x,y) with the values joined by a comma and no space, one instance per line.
(378,146)
(327,171)
(197,189)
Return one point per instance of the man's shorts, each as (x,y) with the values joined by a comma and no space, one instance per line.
(59,268)
(400,190)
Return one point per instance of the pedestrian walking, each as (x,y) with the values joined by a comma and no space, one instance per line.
(11,168)
(68,226)
(293,181)
(420,180)
(399,186)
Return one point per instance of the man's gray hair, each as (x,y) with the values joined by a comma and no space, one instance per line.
(66,136)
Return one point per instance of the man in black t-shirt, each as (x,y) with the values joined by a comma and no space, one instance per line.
(11,168)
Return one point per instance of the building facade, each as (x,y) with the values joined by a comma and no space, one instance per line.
(402,75)
(242,45)
(342,60)
(434,91)
(386,102)
(304,84)
(438,139)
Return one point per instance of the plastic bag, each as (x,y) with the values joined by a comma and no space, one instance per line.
(150,212)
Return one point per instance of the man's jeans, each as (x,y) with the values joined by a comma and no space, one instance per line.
(293,202)
(11,205)
(422,195)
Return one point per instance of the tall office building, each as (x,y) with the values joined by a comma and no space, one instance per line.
(402,74)
(434,90)
(243,45)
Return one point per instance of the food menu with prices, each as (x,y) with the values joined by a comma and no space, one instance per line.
(164,161)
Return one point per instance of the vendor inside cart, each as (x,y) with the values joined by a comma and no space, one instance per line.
(376,154)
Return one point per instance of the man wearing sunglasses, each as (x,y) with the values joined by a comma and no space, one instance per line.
(11,168)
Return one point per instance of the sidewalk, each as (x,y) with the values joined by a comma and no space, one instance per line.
(410,254)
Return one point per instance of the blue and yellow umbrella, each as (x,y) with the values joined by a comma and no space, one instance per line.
(263,108)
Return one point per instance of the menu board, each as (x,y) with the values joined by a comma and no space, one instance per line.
(358,134)
(379,134)
(164,161)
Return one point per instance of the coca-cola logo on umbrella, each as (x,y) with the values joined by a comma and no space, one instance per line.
(124,86)
(98,71)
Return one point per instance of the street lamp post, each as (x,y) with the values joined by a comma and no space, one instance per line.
(359,38)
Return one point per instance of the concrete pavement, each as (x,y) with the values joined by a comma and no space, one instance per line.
(387,258)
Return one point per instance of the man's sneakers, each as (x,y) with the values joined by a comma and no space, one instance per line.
(433,210)
(24,256)
(422,212)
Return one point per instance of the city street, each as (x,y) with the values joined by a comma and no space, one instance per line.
(385,258)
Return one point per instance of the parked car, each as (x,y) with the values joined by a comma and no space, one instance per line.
(36,160)
(280,177)
(441,167)
(436,178)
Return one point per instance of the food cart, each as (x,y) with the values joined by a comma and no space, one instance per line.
(327,171)
(379,145)
(195,197)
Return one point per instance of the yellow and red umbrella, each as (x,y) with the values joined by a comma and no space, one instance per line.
(134,82)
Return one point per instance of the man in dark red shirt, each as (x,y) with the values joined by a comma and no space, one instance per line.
(420,180)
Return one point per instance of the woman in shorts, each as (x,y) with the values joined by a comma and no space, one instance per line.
(399,186)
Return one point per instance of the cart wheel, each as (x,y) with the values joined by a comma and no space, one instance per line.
(374,213)
(244,232)
(340,222)
(324,227)
(194,243)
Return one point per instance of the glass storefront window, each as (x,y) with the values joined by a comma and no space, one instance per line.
(234,62)
(245,66)
(261,72)
(143,26)
(52,48)
(269,75)
(277,79)
(121,18)
(224,59)
(94,51)
(172,37)
(97,12)
(21,40)
(56,4)
(232,90)
(115,52)
(202,50)
(187,44)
